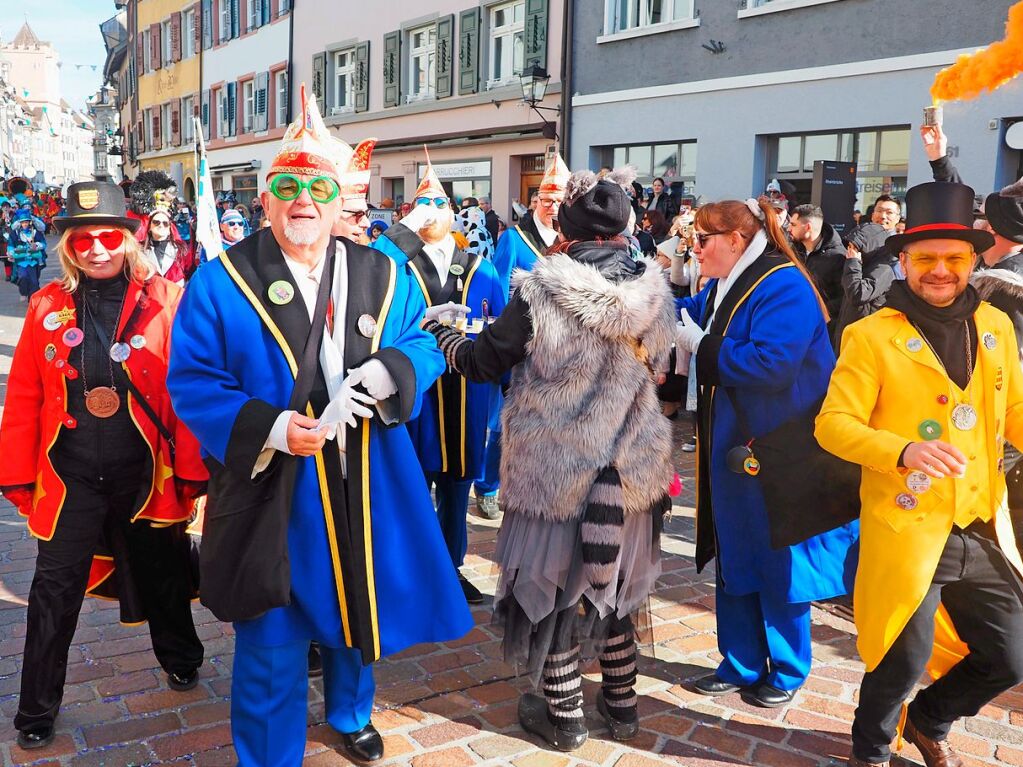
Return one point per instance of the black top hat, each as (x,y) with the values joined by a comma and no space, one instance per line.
(940,211)
(1004,211)
(95,203)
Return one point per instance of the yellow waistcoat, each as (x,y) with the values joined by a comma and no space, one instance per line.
(885,385)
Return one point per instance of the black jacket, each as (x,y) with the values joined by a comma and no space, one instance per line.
(865,285)
(825,264)
(492,220)
(666,205)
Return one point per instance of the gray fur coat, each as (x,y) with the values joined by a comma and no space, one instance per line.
(583,398)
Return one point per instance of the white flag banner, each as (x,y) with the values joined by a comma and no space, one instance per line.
(207,226)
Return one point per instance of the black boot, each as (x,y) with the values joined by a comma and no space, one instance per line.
(534,718)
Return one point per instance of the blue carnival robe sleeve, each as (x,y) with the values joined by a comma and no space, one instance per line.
(512,253)
(695,305)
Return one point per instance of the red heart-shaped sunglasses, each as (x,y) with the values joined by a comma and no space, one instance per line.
(111,239)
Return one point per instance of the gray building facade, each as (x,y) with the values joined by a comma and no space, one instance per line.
(718,97)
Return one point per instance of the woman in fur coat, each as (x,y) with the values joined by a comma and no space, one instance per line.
(586,458)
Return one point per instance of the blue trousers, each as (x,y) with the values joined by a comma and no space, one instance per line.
(490,482)
(452,509)
(763,639)
(28,279)
(269,699)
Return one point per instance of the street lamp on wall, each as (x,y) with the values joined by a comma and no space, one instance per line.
(535,79)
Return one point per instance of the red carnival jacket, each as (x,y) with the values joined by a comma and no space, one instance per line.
(35,410)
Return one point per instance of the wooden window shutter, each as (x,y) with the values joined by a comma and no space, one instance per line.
(205,117)
(536,33)
(362,77)
(140,53)
(176,122)
(392,69)
(236,19)
(260,95)
(175,36)
(469,51)
(329,85)
(319,84)
(197,31)
(155,48)
(232,109)
(156,127)
(444,79)
(207,24)
(266,14)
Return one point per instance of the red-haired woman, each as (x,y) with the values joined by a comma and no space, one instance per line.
(170,256)
(763,358)
(95,457)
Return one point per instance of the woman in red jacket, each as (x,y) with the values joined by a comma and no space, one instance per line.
(95,457)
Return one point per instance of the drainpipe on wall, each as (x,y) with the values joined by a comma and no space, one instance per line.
(566,78)
(291,54)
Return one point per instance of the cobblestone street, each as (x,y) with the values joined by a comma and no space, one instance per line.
(453,704)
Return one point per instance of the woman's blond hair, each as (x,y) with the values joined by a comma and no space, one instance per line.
(136,266)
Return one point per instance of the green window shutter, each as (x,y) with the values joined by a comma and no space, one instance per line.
(444,78)
(319,79)
(469,51)
(362,77)
(536,33)
(329,96)
(392,69)
(261,88)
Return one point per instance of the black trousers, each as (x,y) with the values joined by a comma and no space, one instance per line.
(98,509)
(984,597)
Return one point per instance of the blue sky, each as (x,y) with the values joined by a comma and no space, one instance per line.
(72,26)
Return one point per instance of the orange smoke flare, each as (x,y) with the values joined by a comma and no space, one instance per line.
(987,69)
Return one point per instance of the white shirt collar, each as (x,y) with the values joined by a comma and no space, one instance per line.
(547,234)
(441,254)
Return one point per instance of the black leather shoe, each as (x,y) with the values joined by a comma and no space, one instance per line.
(39,737)
(854,762)
(472,594)
(183,682)
(315,661)
(712,684)
(534,718)
(767,696)
(621,729)
(366,745)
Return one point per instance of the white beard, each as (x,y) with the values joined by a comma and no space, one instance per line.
(301,234)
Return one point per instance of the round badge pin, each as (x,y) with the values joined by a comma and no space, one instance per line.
(942,399)
(73,337)
(367,325)
(751,466)
(281,292)
(137,341)
(906,501)
(990,342)
(918,482)
(914,344)
(457,269)
(964,417)
(929,429)
(50,352)
(51,321)
(120,352)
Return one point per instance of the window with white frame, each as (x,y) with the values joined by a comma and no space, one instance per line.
(255,14)
(187,34)
(248,105)
(507,45)
(281,90)
(225,20)
(344,81)
(422,62)
(165,42)
(165,125)
(187,124)
(623,15)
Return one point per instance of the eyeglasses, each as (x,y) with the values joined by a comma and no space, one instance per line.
(287,188)
(548,203)
(704,238)
(954,262)
(357,215)
(159,224)
(439,202)
(83,242)
(233,223)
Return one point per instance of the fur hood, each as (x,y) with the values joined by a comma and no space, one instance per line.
(991,281)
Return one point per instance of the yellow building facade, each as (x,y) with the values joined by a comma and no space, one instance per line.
(168,43)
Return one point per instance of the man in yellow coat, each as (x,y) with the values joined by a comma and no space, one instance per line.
(924,396)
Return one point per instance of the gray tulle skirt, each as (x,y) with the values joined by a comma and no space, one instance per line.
(544,600)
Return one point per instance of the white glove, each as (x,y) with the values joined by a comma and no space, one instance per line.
(375,377)
(346,405)
(688,334)
(420,216)
(445,314)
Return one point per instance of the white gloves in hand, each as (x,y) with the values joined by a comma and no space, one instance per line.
(447,313)
(688,334)
(420,216)
(346,406)
(375,377)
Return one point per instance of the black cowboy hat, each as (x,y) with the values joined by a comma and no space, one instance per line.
(940,211)
(95,203)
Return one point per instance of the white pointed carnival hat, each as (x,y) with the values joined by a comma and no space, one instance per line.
(355,180)
(307,147)
(555,178)
(430,186)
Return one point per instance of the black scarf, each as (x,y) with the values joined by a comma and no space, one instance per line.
(944,327)
(612,259)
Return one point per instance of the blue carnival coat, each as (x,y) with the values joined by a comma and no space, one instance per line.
(776,356)
(225,358)
(517,248)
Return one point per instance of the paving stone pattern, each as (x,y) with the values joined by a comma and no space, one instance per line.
(453,704)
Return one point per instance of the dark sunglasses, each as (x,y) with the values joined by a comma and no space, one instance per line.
(287,188)
(704,238)
(159,223)
(357,215)
(110,240)
(440,202)
(234,223)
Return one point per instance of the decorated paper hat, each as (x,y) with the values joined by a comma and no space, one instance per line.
(555,178)
(430,186)
(307,148)
(95,202)
(355,181)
